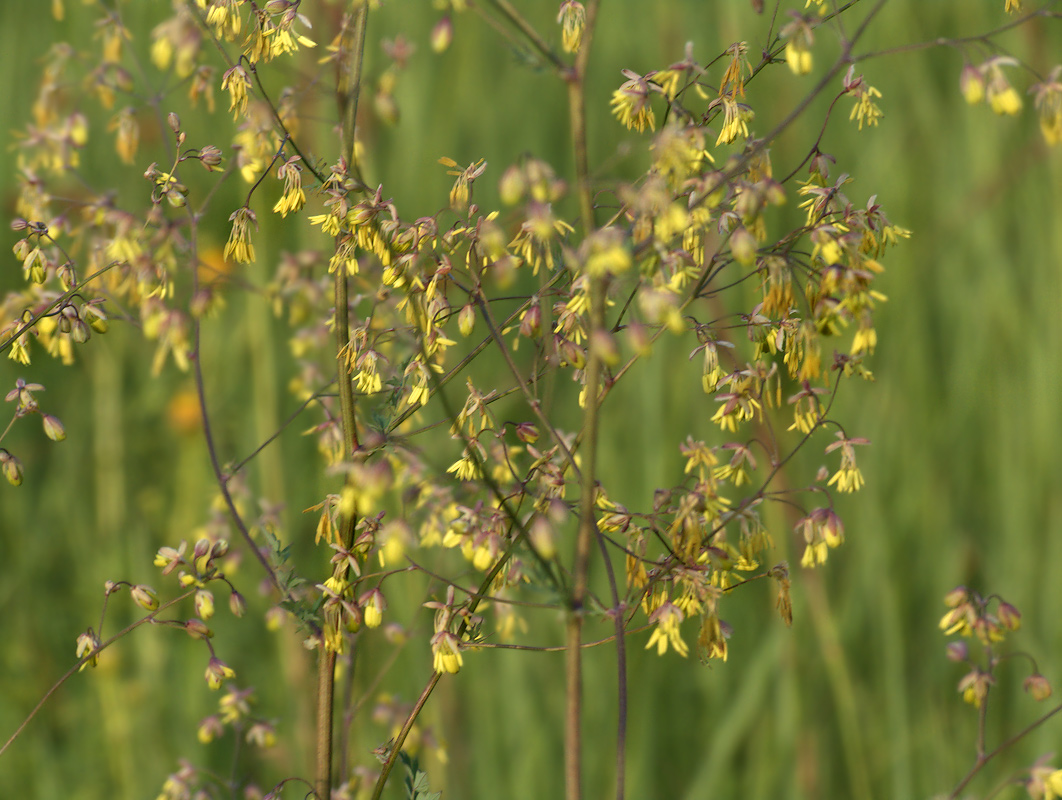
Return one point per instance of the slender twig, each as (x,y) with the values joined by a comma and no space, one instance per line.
(326,657)
(534,38)
(220,477)
(399,740)
(591,420)
(985,758)
(48,309)
(85,659)
(273,437)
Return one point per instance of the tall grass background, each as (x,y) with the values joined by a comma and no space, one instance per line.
(856,700)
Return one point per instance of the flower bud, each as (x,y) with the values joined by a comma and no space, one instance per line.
(531,321)
(604,344)
(12,468)
(198,629)
(442,35)
(67,276)
(1009,616)
(262,734)
(210,729)
(217,672)
(527,432)
(386,107)
(95,318)
(204,603)
(958,651)
(374,604)
(571,353)
(743,246)
(972,85)
(237,604)
(832,529)
(466,320)
(145,597)
(542,537)
(168,559)
(956,596)
(512,186)
(88,644)
(1038,687)
(79,331)
(210,157)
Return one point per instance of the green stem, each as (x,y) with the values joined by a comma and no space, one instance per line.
(986,757)
(506,9)
(85,659)
(326,665)
(587,524)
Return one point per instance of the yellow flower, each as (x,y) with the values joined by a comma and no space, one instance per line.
(283,40)
(667,617)
(464,468)
(572,19)
(736,118)
(630,103)
(848,477)
(225,18)
(1053,785)
(217,672)
(461,193)
(798,57)
(236,82)
(1005,101)
(607,254)
(239,247)
(1002,97)
(798,48)
(294,198)
(446,653)
(866,111)
(125,124)
(88,644)
(373,605)
(669,81)
(972,84)
(678,152)
(713,636)
(732,84)
(1049,106)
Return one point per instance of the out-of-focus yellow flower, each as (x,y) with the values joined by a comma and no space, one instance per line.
(572,19)
(630,102)
(1002,97)
(667,617)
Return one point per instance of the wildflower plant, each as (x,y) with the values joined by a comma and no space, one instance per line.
(470,481)
(984,625)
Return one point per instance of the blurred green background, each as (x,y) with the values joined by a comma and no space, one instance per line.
(856,700)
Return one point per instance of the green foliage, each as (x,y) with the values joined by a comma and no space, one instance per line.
(416,781)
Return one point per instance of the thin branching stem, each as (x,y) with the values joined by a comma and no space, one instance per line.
(85,659)
(327,658)
(984,758)
(591,421)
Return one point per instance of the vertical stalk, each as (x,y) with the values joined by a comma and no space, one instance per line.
(349,92)
(587,526)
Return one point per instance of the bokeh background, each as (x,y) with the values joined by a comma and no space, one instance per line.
(856,700)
